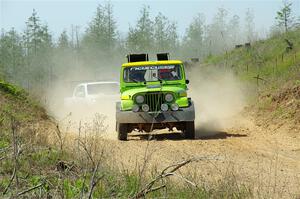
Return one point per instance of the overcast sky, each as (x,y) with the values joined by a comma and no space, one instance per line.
(59,15)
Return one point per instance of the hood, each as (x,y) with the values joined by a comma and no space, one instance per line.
(153,88)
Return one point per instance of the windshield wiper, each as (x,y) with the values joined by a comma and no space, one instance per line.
(134,80)
(161,80)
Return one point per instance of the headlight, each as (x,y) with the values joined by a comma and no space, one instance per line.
(169,97)
(145,107)
(139,99)
(164,107)
(174,107)
(135,108)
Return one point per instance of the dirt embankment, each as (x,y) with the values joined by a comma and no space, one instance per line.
(257,146)
(280,110)
(267,161)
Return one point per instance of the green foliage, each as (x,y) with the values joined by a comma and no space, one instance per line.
(45,157)
(284,16)
(250,26)
(278,68)
(70,190)
(100,39)
(38,47)
(3,143)
(11,56)
(195,37)
(141,38)
(12,90)
(4,182)
(63,41)
(270,59)
(16,104)
(33,61)
(165,36)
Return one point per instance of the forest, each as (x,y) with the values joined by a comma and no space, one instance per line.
(34,59)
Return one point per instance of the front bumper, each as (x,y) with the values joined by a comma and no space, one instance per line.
(183,114)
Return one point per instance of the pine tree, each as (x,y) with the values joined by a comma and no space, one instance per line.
(100,39)
(165,34)
(63,41)
(11,56)
(38,52)
(217,34)
(194,39)
(249,26)
(110,28)
(64,56)
(234,31)
(173,39)
(284,16)
(140,38)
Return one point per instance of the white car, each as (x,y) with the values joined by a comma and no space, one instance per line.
(93,93)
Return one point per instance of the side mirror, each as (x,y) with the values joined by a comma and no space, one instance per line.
(187,81)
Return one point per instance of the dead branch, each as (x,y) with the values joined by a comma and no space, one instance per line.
(94,182)
(83,184)
(146,159)
(168,171)
(165,173)
(87,151)
(178,165)
(59,135)
(10,181)
(185,179)
(15,154)
(15,145)
(30,189)
(153,189)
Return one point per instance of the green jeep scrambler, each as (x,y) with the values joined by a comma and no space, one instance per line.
(154,96)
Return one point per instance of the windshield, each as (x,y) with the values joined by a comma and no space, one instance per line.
(106,89)
(152,73)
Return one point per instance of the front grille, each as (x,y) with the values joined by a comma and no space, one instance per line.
(154,101)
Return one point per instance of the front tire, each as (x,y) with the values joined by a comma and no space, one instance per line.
(122,129)
(189,130)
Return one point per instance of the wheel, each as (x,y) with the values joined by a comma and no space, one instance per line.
(122,131)
(189,130)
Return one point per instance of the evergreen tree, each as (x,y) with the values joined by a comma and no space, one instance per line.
(63,41)
(217,33)
(63,56)
(234,31)
(249,26)
(11,56)
(140,38)
(99,42)
(38,52)
(165,34)
(173,39)
(193,42)
(284,16)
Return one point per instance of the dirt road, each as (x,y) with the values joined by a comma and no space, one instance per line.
(269,162)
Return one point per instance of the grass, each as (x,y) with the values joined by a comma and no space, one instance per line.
(12,90)
(51,169)
(32,166)
(268,58)
(277,68)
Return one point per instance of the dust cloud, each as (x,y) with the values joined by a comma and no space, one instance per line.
(71,117)
(218,96)
(217,93)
